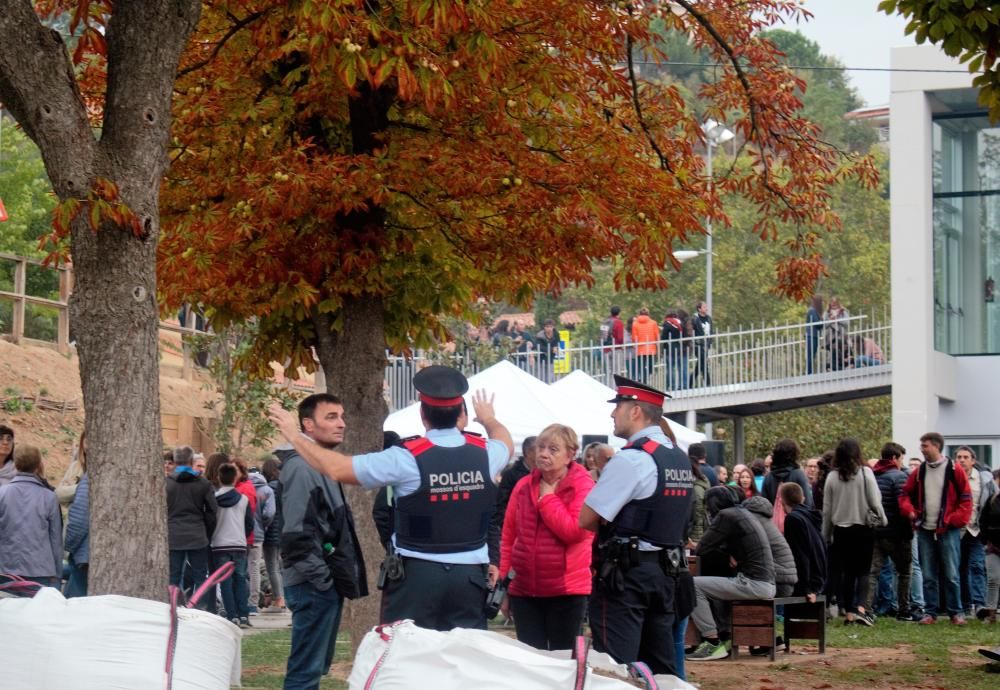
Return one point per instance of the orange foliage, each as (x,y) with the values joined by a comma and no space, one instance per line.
(432,151)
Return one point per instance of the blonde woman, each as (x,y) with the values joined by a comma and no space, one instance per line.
(546,548)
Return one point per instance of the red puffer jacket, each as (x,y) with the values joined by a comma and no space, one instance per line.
(542,540)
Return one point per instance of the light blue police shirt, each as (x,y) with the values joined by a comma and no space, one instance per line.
(628,476)
(396,467)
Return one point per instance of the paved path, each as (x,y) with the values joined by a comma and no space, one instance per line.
(267,621)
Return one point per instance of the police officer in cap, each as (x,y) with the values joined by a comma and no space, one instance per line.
(640,508)
(444,489)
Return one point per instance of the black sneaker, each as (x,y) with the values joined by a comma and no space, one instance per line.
(760,651)
(909,617)
(864,619)
(244,623)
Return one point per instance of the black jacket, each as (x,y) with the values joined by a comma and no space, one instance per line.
(273,533)
(315,513)
(735,532)
(780,476)
(191,511)
(699,323)
(891,481)
(804,536)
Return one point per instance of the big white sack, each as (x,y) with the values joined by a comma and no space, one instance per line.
(462,659)
(112,643)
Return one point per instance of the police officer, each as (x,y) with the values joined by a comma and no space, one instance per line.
(445,497)
(640,508)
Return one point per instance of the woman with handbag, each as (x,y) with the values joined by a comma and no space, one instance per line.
(852,508)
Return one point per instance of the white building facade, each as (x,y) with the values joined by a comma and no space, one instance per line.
(945,199)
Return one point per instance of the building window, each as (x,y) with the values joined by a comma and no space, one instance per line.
(966,234)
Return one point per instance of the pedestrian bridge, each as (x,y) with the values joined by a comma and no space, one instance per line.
(751,371)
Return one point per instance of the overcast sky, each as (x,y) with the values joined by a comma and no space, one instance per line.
(857,34)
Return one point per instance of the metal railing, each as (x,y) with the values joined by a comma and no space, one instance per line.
(36,308)
(743,359)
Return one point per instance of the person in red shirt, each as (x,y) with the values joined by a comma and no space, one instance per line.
(544,547)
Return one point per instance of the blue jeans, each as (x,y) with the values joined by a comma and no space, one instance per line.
(235,589)
(680,628)
(76,585)
(193,560)
(885,593)
(973,569)
(940,553)
(916,583)
(315,620)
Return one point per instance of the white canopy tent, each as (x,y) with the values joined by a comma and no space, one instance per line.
(525,405)
(583,400)
(522,403)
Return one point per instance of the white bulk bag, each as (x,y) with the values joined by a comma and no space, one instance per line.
(112,643)
(403,657)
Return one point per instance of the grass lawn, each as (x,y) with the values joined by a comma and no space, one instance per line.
(889,655)
(265,656)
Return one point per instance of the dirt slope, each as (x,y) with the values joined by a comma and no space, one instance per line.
(42,372)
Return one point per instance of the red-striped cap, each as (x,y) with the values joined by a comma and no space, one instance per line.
(440,386)
(633,391)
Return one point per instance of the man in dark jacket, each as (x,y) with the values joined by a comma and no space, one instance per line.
(895,540)
(702,325)
(320,552)
(509,478)
(191,517)
(803,532)
(734,533)
(785,575)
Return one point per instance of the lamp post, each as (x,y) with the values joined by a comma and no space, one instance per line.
(715,134)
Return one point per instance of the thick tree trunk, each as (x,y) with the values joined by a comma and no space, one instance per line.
(114,315)
(113,307)
(353,362)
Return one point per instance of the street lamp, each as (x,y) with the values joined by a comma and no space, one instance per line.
(715,134)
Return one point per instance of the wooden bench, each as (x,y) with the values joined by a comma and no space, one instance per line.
(753,622)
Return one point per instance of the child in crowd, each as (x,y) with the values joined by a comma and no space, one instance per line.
(229,543)
(803,527)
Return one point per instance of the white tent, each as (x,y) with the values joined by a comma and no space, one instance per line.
(582,401)
(525,405)
(522,402)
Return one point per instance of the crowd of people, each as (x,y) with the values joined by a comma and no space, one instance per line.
(567,534)
(679,343)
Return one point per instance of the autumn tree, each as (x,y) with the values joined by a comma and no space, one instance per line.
(101,119)
(345,172)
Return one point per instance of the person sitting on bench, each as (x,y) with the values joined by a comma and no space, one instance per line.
(803,527)
(734,533)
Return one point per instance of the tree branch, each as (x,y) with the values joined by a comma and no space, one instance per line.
(238,25)
(38,86)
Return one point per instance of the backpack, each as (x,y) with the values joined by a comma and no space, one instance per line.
(607,332)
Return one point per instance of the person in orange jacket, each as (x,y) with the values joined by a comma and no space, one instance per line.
(645,335)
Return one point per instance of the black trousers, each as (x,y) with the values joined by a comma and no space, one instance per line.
(636,623)
(548,622)
(852,558)
(438,596)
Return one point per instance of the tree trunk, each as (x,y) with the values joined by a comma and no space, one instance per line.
(353,362)
(113,306)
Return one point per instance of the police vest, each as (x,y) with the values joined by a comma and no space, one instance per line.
(662,518)
(452,510)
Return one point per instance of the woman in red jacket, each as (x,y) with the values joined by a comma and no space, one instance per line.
(545,547)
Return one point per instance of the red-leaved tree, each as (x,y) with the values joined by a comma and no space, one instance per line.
(344,172)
